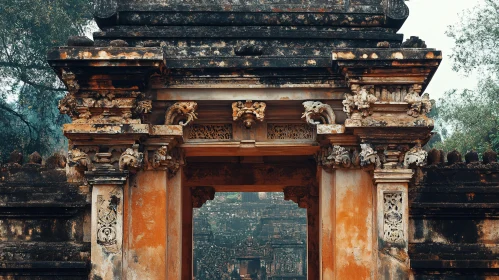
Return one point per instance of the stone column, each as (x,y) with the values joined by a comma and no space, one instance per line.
(392,222)
(107,220)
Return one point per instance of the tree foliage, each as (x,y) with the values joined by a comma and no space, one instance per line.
(29,88)
(469,119)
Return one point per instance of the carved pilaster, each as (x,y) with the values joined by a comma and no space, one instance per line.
(182,113)
(200,195)
(317,112)
(248,112)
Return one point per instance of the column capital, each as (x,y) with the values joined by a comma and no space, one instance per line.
(392,175)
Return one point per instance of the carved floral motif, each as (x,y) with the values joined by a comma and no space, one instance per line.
(79,159)
(210,131)
(419,105)
(359,104)
(289,131)
(106,220)
(131,159)
(393,227)
(416,155)
(317,112)
(182,113)
(369,156)
(248,112)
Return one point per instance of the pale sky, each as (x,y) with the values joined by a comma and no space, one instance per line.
(429,19)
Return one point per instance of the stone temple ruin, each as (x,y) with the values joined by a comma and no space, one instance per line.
(174,101)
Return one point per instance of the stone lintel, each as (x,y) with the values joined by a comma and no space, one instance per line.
(392,175)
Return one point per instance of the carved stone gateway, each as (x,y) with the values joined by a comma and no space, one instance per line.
(177,100)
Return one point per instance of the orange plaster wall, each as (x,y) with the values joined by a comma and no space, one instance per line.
(354,225)
(146,226)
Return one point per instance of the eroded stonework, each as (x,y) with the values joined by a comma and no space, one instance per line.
(369,156)
(360,103)
(182,113)
(419,105)
(107,220)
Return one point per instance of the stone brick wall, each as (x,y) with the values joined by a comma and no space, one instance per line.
(43,221)
(454,226)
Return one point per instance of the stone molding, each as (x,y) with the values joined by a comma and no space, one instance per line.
(317,112)
(248,112)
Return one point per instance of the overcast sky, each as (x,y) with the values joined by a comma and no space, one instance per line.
(429,19)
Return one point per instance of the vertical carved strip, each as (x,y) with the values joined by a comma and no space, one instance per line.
(393,217)
(106,221)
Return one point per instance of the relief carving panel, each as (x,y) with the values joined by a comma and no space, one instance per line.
(210,131)
(290,131)
(393,227)
(106,220)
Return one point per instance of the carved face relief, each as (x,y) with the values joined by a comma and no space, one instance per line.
(131,159)
(183,112)
(415,156)
(369,156)
(248,112)
(317,112)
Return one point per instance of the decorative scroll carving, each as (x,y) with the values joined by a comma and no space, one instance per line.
(317,112)
(131,158)
(289,131)
(106,220)
(368,156)
(359,104)
(79,159)
(334,156)
(210,131)
(397,9)
(248,112)
(182,113)
(200,195)
(419,105)
(393,226)
(416,155)
(171,160)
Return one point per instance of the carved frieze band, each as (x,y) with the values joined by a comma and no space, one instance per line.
(317,112)
(107,220)
(182,113)
(384,156)
(248,112)
(277,131)
(393,220)
(210,131)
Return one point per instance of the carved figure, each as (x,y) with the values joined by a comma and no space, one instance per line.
(172,160)
(419,105)
(160,156)
(368,156)
(184,112)
(144,107)
(67,105)
(317,112)
(416,155)
(79,159)
(131,159)
(248,111)
(359,103)
(341,156)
